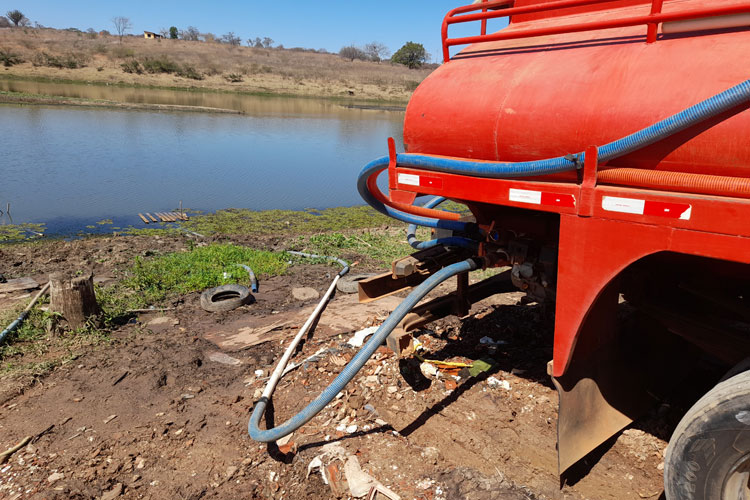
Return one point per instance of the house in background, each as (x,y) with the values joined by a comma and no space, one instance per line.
(151,35)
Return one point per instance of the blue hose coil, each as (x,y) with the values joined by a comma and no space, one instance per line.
(455,241)
(357,362)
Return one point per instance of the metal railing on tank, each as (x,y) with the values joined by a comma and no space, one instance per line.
(504,8)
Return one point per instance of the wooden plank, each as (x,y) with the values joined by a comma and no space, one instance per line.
(143,218)
(175,216)
(161,216)
(153,219)
(18,284)
(170,216)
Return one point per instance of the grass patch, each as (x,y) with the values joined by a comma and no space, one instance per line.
(160,277)
(242,221)
(377,247)
(20,232)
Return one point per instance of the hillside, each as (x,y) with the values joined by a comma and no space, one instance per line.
(89,57)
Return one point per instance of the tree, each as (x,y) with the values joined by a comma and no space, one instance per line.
(351,52)
(231,39)
(16,17)
(173,32)
(267,42)
(122,25)
(413,55)
(258,43)
(191,34)
(376,51)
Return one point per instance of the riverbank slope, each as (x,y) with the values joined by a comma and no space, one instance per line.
(62,55)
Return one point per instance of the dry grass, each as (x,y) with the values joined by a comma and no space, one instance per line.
(221,66)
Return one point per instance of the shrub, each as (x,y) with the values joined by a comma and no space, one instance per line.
(160,65)
(233,77)
(9,58)
(69,61)
(132,66)
(188,71)
(100,48)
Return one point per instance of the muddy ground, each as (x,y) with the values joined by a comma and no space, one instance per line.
(162,410)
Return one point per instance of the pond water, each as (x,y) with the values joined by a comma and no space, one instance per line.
(71,167)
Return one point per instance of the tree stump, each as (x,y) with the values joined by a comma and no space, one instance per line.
(73,298)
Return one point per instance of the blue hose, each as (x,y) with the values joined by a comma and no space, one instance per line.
(356,363)
(13,326)
(455,241)
(691,116)
(253,279)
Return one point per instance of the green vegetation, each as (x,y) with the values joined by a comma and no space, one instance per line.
(9,58)
(412,55)
(378,247)
(18,232)
(160,277)
(241,221)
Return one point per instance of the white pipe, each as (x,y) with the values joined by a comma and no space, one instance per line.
(277,373)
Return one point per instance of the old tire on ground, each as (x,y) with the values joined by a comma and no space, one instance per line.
(225,298)
(708,457)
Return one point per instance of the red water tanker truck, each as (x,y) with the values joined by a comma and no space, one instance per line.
(603,150)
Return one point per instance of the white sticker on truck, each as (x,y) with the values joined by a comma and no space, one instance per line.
(525,196)
(410,179)
(623,205)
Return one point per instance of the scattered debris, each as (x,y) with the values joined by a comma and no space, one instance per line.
(496,382)
(4,456)
(359,338)
(109,419)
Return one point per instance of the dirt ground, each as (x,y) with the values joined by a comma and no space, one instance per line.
(162,411)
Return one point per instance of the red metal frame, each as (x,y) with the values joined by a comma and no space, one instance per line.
(622,224)
(651,20)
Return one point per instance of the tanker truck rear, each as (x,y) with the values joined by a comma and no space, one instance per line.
(602,149)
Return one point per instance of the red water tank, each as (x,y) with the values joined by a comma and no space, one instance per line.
(546,96)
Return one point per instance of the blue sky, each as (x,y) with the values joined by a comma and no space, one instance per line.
(312,24)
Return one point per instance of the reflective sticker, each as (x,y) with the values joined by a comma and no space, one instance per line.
(623,205)
(409,179)
(525,196)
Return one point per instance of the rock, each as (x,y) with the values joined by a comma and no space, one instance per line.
(140,463)
(305,293)
(392,389)
(115,492)
(163,320)
(431,454)
(225,359)
(54,477)
(231,471)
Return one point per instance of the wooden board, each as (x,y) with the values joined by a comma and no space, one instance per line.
(143,218)
(18,284)
(153,219)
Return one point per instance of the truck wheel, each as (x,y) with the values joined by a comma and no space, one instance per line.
(708,457)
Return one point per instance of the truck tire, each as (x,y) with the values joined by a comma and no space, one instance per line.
(708,457)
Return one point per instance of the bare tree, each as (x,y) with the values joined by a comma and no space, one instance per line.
(190,34)
(351,52)
(122,25)
(376,51)
(17,17)
(231,39)
(267,42)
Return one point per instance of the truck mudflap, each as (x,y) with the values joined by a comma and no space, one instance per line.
(612,379)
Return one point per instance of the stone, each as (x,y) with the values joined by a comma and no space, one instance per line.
(54,477)
(305,293)
(115,492)
(225,359)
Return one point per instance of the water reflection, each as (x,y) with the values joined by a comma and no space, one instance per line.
(74,166)
(253,105)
